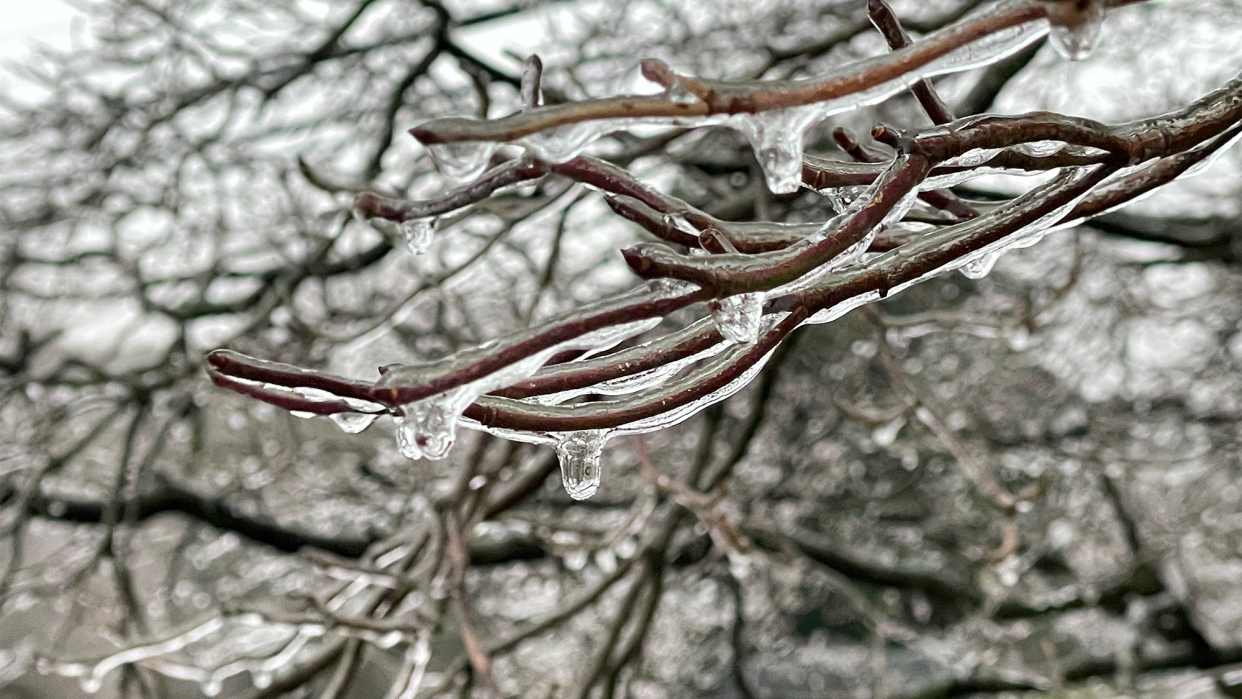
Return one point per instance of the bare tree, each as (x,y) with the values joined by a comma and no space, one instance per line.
(204,175)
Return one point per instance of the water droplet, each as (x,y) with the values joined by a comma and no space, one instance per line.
(418,234)
(91,683)
(579,454)
(1076,28)
(979,267)
(352,423)
(462,161)
(738,317)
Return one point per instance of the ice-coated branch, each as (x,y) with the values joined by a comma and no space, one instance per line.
(714,97)
(899,224)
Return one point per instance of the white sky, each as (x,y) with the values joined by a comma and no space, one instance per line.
(27,21)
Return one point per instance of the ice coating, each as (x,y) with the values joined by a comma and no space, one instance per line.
(562,143)
(1076,32)
(462,161)
(840,198)
(678,93)
(418,234)
(831,313)
(738,317)
(353,423)
(775,135)
(579,455)
(427,428)
(980,267)
(688,410)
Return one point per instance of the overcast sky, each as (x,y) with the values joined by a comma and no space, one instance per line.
(25,21)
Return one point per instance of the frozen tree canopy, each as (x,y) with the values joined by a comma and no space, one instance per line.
(882,350)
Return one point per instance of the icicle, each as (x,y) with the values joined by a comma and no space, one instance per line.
(1076,30)
(418,233)
(776,138)
(353,423)
(463,161)
(979,267)
(738,317)
(579,454)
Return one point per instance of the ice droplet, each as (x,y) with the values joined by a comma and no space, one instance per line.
(261,679)
(579,454)
(979,267)
(885,435)
(352,423)
(738,317)
(427,428)
(212,686)
(462,161)
(418,234)
(1075,32)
